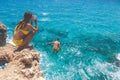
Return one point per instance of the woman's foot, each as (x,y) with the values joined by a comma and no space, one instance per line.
(29,47)
(19,49)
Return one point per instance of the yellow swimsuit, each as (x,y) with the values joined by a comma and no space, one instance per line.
(25,32)
(19,42)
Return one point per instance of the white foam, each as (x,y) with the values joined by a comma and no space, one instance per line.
(83,74)
(61,57)
(90,71)
(45,13)
(73,49)
(44,19)
(10,41)
(106,68)
(118,56)
(50,64)
(78,53)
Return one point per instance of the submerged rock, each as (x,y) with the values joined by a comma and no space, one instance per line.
(23,65)
(58,32)
(2,34)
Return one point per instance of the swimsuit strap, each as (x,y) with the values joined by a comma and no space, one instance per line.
(18,27)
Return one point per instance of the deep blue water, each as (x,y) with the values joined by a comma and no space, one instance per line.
(89,32)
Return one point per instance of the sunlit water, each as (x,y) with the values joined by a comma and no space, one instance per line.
(89,32)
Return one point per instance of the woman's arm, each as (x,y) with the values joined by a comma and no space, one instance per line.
(33,29)
(36,25)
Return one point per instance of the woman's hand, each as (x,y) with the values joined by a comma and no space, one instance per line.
(34,18)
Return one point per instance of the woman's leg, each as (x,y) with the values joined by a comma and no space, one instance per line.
(27,39)
(26,42)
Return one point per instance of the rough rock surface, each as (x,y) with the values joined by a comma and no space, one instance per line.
(2,34)
(23,65)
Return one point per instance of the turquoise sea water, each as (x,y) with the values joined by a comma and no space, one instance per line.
(89,32)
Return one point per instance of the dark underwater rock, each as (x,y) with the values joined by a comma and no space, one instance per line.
(57,32)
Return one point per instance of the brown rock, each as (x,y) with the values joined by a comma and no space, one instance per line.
(23,65)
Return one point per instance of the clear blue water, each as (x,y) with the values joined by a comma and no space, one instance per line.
(89,32)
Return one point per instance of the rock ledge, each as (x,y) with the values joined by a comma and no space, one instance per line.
(23,65)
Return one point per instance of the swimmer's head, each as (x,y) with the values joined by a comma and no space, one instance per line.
(57,39)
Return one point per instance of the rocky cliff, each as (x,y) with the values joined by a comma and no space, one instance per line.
(23,65)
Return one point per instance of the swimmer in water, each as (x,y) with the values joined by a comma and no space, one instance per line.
(56,45)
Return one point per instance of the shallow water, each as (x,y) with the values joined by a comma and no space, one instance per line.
(89,33)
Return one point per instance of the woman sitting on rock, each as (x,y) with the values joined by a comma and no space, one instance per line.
(24,31)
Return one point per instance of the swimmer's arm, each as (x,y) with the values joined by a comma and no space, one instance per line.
(59,44)
(50,42)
